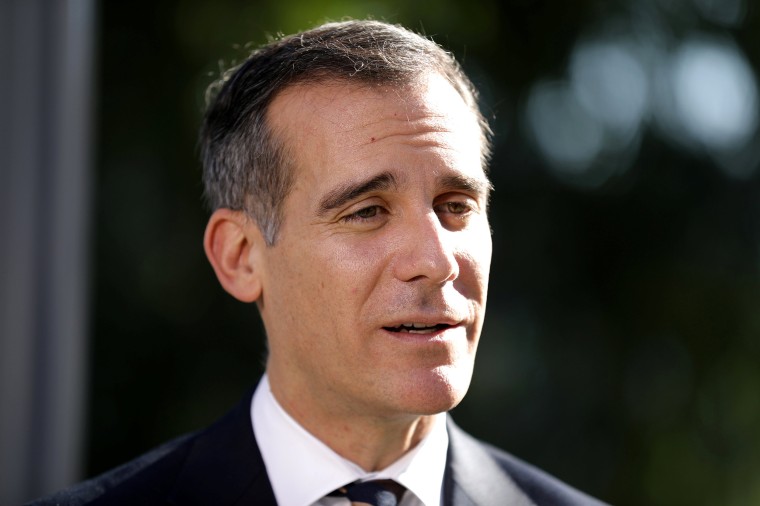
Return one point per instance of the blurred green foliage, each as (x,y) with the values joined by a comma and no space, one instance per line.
(622,341)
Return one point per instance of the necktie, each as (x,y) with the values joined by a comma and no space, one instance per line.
(373,493)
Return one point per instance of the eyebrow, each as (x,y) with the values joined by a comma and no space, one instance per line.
(478,186)
(338,197)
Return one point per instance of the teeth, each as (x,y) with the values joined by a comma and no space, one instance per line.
(418,328)
(416,325)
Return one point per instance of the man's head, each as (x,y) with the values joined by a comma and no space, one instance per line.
(246,167)
(371,279)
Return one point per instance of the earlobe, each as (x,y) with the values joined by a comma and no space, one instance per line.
(230,243)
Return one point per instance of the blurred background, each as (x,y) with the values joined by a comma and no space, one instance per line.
(621,349)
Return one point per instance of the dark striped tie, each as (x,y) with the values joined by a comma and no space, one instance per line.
(374,493)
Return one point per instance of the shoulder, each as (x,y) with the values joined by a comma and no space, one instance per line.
(542,487)
(468,453)
(214,466)
(145,474)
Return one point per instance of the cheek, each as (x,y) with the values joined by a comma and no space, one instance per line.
(475,263)
(329,283)
(355,266)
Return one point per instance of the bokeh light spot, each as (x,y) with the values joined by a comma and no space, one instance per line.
(724,12)
(611,85)
(565,133)
(715,93)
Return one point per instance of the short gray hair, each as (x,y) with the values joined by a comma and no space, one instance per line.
(244,162)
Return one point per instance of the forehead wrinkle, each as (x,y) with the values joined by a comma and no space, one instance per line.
(424,122)
(423,136)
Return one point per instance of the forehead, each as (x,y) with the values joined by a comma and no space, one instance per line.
(332,127)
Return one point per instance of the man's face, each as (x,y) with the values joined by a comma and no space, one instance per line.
(375,290)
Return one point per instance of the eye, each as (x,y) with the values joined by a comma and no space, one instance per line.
(456,211)
(363,214)
(456,207)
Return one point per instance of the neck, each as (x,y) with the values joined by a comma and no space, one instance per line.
(371,441)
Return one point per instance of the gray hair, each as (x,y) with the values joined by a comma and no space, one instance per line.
(244,162)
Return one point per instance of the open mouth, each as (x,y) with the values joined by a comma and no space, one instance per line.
(419,328)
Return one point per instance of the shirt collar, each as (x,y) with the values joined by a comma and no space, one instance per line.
(292,455)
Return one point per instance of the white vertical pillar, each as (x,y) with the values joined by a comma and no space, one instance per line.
(46,55)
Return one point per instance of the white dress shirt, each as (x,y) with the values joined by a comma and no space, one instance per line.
(302,469)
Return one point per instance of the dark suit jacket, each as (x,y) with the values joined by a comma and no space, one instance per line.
(222,466)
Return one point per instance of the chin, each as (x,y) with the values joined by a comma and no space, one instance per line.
(436,391)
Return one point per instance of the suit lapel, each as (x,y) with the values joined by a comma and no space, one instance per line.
(224,466)
(473,478)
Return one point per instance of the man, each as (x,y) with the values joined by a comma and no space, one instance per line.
(345,167)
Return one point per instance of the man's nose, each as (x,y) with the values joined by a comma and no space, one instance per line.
(426,251)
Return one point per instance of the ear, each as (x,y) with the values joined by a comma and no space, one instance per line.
(232,241)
